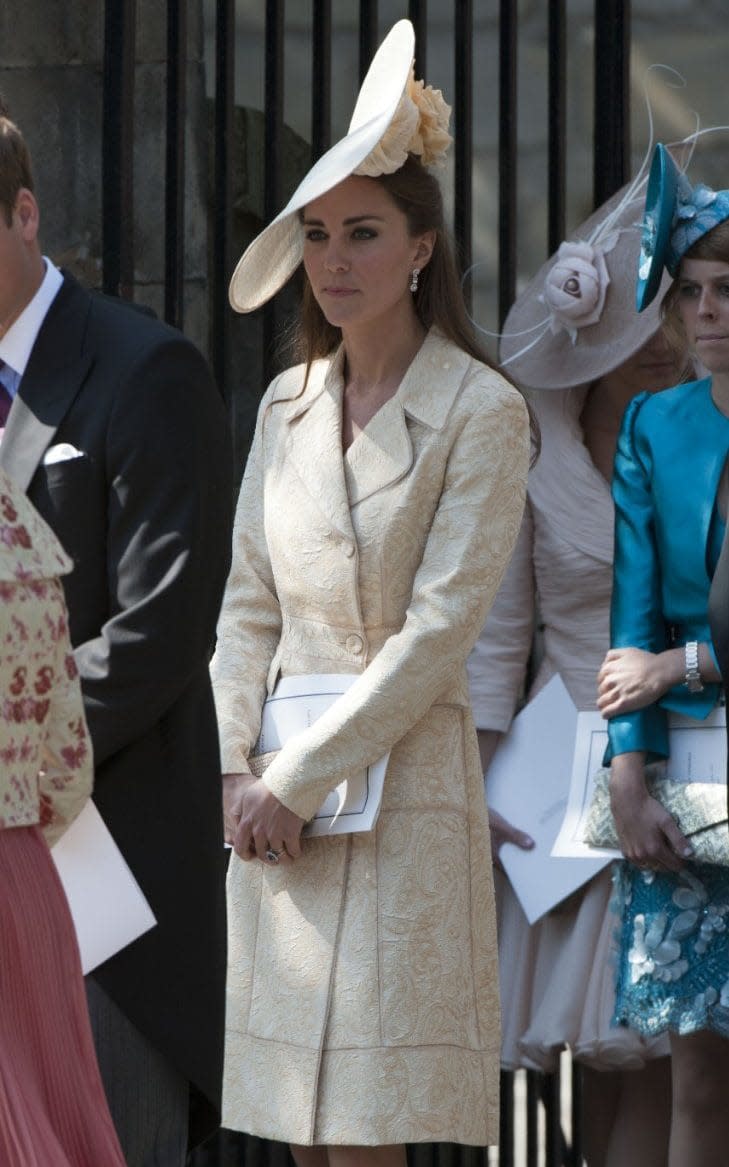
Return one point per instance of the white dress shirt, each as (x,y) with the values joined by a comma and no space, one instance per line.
(17,343)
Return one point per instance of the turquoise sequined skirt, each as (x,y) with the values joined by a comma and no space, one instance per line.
(673,957)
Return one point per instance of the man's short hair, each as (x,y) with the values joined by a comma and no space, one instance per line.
(16,170)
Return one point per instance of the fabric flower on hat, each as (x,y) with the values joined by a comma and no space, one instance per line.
(431,139)
(420,126)
(576,285)
(698,210)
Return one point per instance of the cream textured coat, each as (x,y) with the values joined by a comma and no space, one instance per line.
(362,983)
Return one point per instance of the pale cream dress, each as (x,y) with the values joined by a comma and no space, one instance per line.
(363,985)
(557,975)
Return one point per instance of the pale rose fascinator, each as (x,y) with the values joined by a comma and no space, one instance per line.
(394,116)
(576,320)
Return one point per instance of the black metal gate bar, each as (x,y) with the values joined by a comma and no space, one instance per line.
(418,15)
(532,1117)
(463,145)
(557,67)
(611,140)
(506,1119)
(555,1143)
(175,161)
(368,34)
(222,188)
(272,155)
(321,71)
(577,1123)
(508,21)
(117,163)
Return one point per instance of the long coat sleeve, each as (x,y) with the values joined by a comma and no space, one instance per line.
(381,563)
(460,514)
(663,527)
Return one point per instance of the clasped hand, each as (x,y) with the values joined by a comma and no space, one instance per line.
(649,836)
(256,823)
(630,679)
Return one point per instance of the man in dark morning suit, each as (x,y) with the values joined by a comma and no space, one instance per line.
(119,436)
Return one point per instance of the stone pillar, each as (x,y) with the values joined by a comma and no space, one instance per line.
(51,75)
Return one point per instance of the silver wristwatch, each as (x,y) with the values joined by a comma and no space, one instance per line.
(693,680)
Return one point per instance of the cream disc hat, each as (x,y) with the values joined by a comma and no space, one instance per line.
(576,321)
(273,256)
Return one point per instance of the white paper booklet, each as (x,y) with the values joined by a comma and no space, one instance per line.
(106,902)
(528,783)
(698,753)
(294,705)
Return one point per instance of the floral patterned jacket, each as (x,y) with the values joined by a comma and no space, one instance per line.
(46,766)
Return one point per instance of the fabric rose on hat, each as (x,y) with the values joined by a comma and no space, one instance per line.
(698,210)
(431,139)
(419,126)
(576,285)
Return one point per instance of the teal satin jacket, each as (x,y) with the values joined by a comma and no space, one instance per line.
(671,451)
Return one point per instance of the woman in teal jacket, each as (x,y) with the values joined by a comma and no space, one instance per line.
(670,493)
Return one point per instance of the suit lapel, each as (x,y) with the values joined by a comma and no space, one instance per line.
(56,370)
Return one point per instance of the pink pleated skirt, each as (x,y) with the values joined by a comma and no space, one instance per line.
(53,1110)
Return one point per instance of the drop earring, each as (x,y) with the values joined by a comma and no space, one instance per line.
(414,280)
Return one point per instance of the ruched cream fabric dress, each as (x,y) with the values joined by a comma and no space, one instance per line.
(362,985)
(558,975)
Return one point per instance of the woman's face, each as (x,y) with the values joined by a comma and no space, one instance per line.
(359,256)
(652,367)
(703,305)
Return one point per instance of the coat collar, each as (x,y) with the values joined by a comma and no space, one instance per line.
(383,453)
(55,372)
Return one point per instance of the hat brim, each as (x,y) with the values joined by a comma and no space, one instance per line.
(555,361)
(273,256)
(660,203)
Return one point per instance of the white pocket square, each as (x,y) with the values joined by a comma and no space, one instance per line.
(62,452)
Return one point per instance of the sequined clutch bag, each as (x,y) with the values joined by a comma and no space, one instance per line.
(699,809)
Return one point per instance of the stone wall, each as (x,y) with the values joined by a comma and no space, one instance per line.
(51,64)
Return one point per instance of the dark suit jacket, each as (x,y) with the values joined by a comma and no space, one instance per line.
(145,514)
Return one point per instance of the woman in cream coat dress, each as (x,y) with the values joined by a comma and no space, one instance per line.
(557,975)
(380,504)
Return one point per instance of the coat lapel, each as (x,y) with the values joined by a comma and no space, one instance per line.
(383,452)
(54,375)
(314,443)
